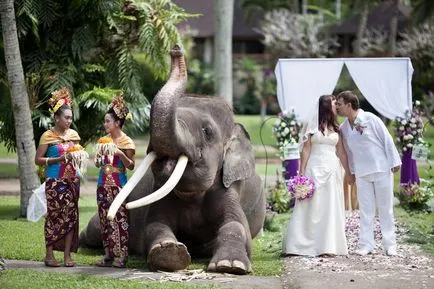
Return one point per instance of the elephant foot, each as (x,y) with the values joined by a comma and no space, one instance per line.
(168,256)
(239,265)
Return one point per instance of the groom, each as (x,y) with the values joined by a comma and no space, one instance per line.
(373,158)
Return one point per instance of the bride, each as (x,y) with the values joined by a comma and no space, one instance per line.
(317,225)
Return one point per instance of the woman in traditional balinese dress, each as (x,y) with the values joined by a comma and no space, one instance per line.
(62,184)
(112,177)
(317,225)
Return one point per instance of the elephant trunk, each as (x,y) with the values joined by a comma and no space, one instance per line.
(163,119)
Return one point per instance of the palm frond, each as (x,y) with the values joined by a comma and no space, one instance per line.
(82,41)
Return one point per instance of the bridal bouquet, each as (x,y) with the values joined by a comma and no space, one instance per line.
(79,158)
(106,147)
(301,187)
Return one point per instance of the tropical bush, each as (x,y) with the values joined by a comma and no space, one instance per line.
(88,46)
(418,44)
(287,34)
(279,197)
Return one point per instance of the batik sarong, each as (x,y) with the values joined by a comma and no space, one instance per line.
(113,233)
(62,212)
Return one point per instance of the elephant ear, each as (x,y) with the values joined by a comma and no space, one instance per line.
(239,160)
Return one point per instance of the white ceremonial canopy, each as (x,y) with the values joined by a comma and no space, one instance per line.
(384,82)
(301,81)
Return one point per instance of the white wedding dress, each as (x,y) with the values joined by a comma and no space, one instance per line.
(317,225)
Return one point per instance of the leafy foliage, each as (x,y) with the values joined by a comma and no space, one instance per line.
(418,43)
(88,46)
(249,102)
(293,35)
(279,197)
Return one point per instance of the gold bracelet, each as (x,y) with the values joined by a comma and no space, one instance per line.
(46,161)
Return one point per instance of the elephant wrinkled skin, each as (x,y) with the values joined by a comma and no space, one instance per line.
(217,206)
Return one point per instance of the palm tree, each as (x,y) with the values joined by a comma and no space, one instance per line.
(90,47)
(20,105)
(223,21)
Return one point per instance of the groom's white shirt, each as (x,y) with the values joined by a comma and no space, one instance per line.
(373,150)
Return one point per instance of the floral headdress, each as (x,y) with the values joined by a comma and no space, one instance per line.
(119,107)
(59,97)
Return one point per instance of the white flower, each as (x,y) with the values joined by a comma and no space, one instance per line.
(285,131)
(420,130)
(404,149)
(409,145)
(410,136)
(420,139)
(292,122)
(283,124)
(414,132)
(403,122)
(277,122)
(417,102)
(401,128)
(398,139)
(413,120)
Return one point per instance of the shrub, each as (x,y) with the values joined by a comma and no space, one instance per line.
(279,198)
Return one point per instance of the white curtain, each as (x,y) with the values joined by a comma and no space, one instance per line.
(384,82)
(301,81)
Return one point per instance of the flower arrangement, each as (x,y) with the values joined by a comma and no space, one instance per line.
(79,158)
(409,130)
(286,129)
(301,187)
(415,196)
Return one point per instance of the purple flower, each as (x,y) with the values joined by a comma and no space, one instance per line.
(301,187)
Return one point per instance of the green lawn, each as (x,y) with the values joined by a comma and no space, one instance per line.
(26,279)
(420,228)
(23,240)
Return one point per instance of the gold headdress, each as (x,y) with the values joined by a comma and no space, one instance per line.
(119,107)
(59,97)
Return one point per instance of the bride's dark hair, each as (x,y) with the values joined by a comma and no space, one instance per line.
(326,117)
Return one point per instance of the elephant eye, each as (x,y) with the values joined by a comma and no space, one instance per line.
(207,132)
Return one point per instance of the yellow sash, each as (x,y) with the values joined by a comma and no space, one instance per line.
(50,137)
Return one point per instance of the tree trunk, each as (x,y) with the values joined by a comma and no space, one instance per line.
(338,10)
(393,29)
(223,22)
(361,28)
(20,105)
(296,6)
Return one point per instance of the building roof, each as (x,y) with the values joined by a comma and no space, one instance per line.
(378,18)
(204,24)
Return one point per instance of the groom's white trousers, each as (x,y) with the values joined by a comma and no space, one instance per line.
(376,191)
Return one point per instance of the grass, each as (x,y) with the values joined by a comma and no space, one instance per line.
(23,279)
(256,130)
(23,240)
(420,228)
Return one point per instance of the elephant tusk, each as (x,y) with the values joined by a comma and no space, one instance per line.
(131,184)
(165,189)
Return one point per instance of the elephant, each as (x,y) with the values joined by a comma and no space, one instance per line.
(208,200)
